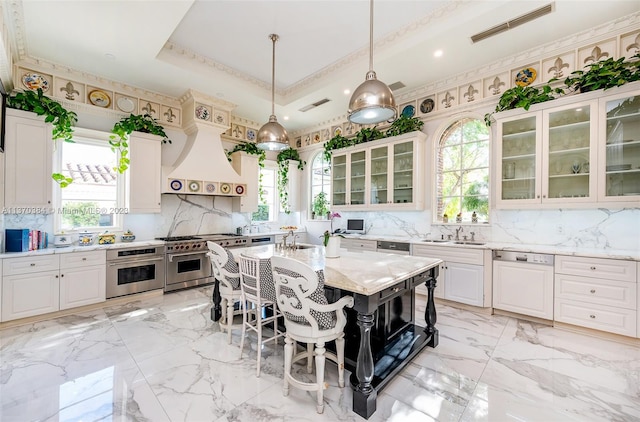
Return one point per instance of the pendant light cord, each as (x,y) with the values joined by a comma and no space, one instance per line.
(274,38)
(371,35)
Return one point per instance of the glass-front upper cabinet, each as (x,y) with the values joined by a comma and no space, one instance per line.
(568,133)
(403,172)
(339,180)
(358,165)
(620,152)
(378,185)
(518,160)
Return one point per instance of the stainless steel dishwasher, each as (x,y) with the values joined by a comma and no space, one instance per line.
(400,248)
(523,283)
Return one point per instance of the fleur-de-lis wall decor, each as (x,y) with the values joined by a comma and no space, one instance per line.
(447,99)
(635,46)
(169,115)
(471,91)
(557,67)
(596,55)
(495,87)
(70,90)
(148,109)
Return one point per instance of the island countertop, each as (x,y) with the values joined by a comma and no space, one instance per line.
(363,272)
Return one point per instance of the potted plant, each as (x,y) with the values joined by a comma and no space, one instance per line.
(283,159)
(122,129)
(605,74)
(320,206)
(404,124)
(336,142)
(252,148)
(525,97)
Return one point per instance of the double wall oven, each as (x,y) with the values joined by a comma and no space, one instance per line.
(186,261)
(135,270)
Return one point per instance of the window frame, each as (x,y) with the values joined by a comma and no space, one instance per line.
(96,138)
(270,165)
(328,184)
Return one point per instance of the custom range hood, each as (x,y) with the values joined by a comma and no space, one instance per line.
(202,168)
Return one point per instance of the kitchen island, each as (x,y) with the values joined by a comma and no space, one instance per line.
(381,337)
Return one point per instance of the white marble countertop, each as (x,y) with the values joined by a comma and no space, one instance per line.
(359,272)
(574,250)
(76,248)
(274,232)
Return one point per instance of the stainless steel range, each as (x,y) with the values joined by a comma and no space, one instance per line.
(186,262)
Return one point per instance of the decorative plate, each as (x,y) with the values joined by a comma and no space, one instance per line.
(194,186)
(239,189)
(337,131)
(225,188)
(526,76)
(427,106)
(251,134)
(125,104)
(99,98)
(220,118)
(34,81)
(210,188)
(408,111)
(202,113)
(176,185)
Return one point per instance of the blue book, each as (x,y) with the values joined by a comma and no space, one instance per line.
(16,240)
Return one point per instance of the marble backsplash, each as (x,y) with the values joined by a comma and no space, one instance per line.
(191,214)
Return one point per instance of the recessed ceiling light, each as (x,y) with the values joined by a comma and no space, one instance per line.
(347,91)
(109,56)
(438,53)
(286,117)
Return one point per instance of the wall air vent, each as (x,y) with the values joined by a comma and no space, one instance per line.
(505,26)
(396,85)
(314,105)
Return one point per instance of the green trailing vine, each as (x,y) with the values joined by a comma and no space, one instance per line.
(524,97)
(122,129)
(283,159)
(404,124)
(252,148)
(61,119)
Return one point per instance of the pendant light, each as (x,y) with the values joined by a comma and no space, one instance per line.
(372,102)
(272,136)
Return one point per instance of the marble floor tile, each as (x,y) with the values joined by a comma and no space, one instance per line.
(163,359)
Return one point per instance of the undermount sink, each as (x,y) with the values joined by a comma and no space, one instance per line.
(468,242)
(305,246)
(435,241)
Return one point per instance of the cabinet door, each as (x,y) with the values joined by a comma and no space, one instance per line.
(569,133)
(28,161)
(358,178)
(30,294)
(464,283)
(246,165)
(402,174)
(526,289)
(339,180)
(82,286)
(143,175)
(619,154)
(517,168)
(379,176)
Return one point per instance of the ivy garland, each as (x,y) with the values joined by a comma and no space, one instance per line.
(251,148)
(283,159)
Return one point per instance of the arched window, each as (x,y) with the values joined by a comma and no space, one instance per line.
(320,177)
(463,171)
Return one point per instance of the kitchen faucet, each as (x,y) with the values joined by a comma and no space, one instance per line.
(458,230)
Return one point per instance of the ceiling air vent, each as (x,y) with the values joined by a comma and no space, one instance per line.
(314,105)
(396,85)
(505,26)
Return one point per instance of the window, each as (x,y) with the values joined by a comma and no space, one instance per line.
(95,199)
(320,177)
(463,171)
(268,200)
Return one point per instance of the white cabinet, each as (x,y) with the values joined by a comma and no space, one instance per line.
(523,288)
(383,174)
(28,161)
(48,283)
(597,293)
(143,176)
(30,286)
(465,275)
(246,165)
(358,244)
(82,278)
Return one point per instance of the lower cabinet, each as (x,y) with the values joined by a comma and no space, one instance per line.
(42,284)
(597,293)
(525,289)
(358,244)
(465,274)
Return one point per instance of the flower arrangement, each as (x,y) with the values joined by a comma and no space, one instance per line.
(328,233)
(333,215)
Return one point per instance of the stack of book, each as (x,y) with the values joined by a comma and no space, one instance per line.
(23,240)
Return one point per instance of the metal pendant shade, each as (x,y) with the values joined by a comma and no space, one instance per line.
(372,102)
(272,136)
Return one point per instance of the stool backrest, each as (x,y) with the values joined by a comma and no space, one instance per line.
(225,268)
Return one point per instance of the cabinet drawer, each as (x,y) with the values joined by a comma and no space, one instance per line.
(359,244)
(26,265)
(450,254)
(599,317)
(81,259)
(390,292)
(611,269)
(599,291)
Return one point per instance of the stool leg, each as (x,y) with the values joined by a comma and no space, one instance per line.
(229,318)
(288,358)
(340,355)
(309,357)
(320,361)
(259,326)
(243,306)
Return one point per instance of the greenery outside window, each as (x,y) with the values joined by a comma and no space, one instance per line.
(320,178)
(462,160)
(268,200)
(94,202)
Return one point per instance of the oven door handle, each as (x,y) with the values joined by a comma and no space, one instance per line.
(134,261)
(172,255)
